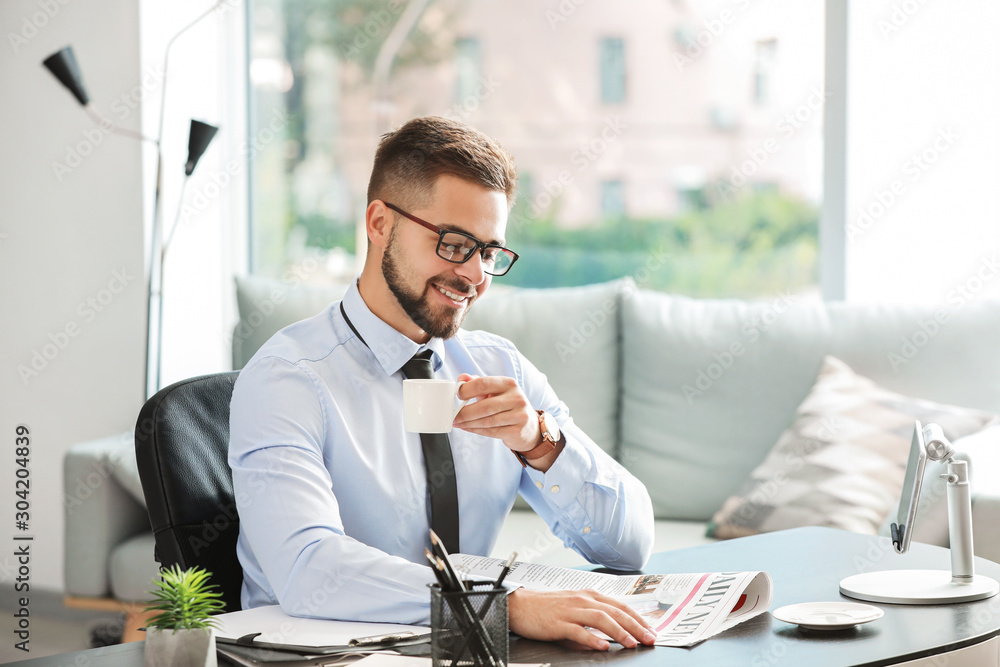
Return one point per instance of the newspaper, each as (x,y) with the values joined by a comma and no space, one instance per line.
(683,609)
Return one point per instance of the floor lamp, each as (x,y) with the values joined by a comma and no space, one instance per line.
(62,64)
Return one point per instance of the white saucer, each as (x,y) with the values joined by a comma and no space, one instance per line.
(827,615)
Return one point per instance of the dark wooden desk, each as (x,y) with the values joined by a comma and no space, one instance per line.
(807,565)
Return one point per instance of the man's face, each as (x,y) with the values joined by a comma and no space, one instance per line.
(433,292)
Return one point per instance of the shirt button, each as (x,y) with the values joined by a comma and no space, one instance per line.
(555,488)
(539,484)
(586,531)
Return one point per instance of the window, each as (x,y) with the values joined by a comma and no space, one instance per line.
(612,70)
(729,187)
(612,199)
(763,70)
(467,68)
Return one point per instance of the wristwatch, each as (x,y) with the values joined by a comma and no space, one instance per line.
(551,436)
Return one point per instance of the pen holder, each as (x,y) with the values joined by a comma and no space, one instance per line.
(469,628)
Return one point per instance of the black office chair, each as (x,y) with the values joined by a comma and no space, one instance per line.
(181,446)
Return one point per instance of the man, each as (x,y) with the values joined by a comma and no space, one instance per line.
(334,497)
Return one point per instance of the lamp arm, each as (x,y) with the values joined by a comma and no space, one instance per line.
(103,121)
(166,59)
(156,245)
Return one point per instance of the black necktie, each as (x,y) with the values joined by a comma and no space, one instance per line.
(440,465)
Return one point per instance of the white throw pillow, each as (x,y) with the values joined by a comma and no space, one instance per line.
(841,462)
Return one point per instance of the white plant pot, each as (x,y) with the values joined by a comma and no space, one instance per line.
(180,648)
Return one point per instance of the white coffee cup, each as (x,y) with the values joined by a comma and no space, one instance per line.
(429,405)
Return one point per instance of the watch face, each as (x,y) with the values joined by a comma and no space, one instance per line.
(550,426)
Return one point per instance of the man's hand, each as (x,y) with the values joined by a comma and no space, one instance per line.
(556,615)
(500,411)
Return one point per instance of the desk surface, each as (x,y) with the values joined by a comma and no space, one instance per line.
(806,565)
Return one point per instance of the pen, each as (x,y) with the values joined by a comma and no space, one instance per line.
(505,571)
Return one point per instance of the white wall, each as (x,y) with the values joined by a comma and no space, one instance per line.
(205,81)
(62,241)
(61,244)
(923,105)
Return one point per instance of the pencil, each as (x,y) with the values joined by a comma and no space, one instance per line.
(505,571)
(455,583)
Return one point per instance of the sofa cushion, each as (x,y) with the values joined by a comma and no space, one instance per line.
(711,384)
(572,335)
(841,462)
(267,305)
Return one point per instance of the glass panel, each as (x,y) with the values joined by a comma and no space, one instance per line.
(612,70)
(467,67)
(705,179)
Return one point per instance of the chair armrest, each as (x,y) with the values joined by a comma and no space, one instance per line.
(99,513)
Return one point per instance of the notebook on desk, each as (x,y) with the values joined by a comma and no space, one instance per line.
(272,629)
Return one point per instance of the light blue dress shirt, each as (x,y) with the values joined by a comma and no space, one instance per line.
(332,492)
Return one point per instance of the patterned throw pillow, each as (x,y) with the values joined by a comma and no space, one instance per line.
(841,463)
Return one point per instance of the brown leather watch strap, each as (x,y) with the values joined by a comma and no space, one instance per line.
(545,447)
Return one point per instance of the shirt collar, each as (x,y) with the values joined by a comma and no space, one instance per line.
(391,348)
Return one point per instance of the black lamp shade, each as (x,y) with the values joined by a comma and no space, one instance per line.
(199,139)
(63,66)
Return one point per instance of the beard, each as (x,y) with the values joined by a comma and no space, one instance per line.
(438,321)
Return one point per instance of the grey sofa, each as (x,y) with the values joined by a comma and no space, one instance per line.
(654,379)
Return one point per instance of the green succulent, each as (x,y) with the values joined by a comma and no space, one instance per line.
(184,599)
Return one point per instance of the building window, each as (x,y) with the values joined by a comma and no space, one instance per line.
(612,70)
(468,68)
(612,199)
(687,141)
(763,70)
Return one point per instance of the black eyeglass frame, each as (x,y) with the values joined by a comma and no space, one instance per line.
(479,246)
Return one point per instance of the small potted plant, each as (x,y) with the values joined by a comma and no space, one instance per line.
(180,635)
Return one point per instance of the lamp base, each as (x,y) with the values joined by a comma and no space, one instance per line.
(917,587)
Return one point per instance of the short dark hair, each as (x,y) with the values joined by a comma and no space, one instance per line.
(410,159)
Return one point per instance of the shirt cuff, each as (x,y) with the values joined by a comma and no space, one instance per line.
(562,483)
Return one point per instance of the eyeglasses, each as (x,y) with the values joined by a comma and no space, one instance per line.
(459,247)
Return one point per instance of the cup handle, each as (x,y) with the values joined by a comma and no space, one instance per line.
(462,404)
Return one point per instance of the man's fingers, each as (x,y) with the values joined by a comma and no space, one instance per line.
(625,609)
(489,413)
(608,621)
(582,635)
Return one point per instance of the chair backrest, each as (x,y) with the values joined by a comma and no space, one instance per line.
(181,447)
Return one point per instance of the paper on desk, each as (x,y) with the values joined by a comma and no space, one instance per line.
(389,660)
(278,627)
(683,609)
